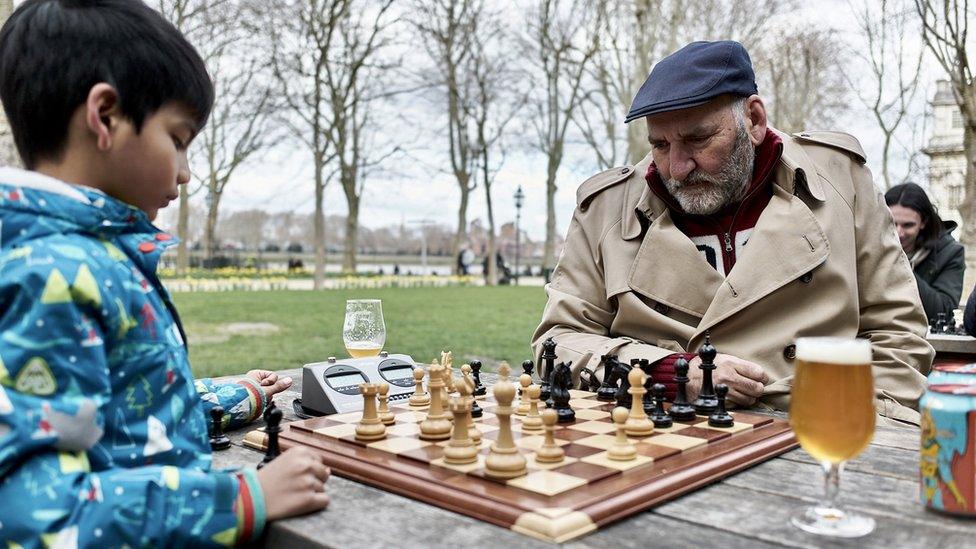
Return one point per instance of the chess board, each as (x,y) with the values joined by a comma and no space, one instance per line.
(554,502)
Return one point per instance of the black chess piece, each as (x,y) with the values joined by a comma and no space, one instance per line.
(547,363)
(479,389)
(706,402)
(526,369)
(476,410)
(940,323)
(267,410)
(561,383)
(622,372)
(608,390)
(680,409)
(218,440)
(648,401)
(721,418)
(272,429)
(658,416)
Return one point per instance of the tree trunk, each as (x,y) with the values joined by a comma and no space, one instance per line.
(884,160)
(352,221)
(462,227)
(183,233)
(549,251)
(319,280)
(492,278)
(210,232)
(967,208)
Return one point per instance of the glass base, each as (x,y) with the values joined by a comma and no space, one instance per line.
(830,521)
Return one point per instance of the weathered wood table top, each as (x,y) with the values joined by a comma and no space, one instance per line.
(749,509)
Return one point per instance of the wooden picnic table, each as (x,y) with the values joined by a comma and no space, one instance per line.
(748,509)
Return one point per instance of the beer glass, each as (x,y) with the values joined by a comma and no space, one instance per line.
(364,331)
(832,415)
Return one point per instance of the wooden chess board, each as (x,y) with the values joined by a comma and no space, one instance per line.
(554,502)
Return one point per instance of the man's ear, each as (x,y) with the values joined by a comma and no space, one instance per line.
(756,119)
(102,114)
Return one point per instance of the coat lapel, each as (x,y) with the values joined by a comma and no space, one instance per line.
(787,243)
(669,269)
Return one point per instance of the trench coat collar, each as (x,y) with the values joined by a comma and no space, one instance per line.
(787,242)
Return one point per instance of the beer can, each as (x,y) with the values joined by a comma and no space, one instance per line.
(948,448)
(953,373)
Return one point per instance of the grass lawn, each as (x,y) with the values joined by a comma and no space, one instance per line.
(491,324)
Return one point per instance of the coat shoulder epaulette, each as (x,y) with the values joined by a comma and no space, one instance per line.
(600,182)
(837,140)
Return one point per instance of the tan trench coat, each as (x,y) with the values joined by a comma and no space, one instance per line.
(823,260)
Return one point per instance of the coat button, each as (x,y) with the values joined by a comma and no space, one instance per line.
(625,170)
(147,247)
(789,352)
(662,308)
(807,278)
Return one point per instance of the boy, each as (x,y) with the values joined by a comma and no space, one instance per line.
(103,432)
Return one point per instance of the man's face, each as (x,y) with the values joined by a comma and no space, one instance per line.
(703,154)
(908,223)
(149,166)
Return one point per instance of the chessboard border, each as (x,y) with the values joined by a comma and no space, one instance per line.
(535,515)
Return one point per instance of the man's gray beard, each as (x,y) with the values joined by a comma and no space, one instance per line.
(714,192)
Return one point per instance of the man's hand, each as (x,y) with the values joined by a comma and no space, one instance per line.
(294,484)
(269,381)
(745,379)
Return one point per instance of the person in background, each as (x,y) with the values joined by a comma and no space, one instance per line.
(937,259)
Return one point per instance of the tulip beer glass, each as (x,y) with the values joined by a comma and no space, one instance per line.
(832,414)
(364,331)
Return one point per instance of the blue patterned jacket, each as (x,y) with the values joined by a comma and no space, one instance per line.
(103,431)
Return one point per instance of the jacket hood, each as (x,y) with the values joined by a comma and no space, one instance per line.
(948,226)
(33,206)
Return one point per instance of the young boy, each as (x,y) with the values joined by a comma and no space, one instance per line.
(103,431)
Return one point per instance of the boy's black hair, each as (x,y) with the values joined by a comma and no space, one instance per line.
(910,195)
(53,51)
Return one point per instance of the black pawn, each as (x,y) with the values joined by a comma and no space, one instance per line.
(623,396)
(659,417)
(561,383)
(706,402)
(721,418)
(681,410)
(479,389)
(272,429)
(218,440)
(648,401)
(547,363)
(527,366)
(608,390)
(476,410)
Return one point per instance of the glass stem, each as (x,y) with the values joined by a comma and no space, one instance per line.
(831,483)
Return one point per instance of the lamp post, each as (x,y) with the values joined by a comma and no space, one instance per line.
(519,198)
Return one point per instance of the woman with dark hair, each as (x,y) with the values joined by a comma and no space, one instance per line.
(937,259)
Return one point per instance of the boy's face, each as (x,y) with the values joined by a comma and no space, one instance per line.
(149,166)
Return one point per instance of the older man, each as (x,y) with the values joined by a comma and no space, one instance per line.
(732,227)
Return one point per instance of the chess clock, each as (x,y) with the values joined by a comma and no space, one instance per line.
(332,387)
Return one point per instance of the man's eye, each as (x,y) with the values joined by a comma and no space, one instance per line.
(659,145)
(697,140)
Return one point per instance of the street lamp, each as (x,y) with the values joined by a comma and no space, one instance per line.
(519,198)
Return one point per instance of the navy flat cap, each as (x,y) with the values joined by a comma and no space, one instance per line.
(693,75)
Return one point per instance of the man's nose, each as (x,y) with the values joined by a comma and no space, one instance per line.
(681,163)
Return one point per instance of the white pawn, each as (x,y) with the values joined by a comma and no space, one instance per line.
(549,452)
(622,449)
(386,416)
(419,397)
(523,406)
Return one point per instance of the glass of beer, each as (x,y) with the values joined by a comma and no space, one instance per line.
(832,414)
(364,331)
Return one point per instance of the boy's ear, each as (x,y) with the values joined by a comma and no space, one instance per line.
(102,114)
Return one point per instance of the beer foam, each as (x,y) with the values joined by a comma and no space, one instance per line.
(833,350)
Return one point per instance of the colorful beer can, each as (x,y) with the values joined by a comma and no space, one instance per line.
(948,448)
(953,373)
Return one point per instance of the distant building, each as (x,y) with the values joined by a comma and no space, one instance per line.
(947,166)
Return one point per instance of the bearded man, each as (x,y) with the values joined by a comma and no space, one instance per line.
(732,227)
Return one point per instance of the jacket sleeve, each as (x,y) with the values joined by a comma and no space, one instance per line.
(944,293)
(54,393)
(891,315)
(243,401)
(578,315)
(969,316)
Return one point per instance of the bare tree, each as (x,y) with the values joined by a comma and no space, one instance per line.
(802,70)
(448,31)
(562,39)
(894,68)
(945,31)
(302,33)
(351,71)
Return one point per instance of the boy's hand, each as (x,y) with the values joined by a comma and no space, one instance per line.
(294,484)
(269,381)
